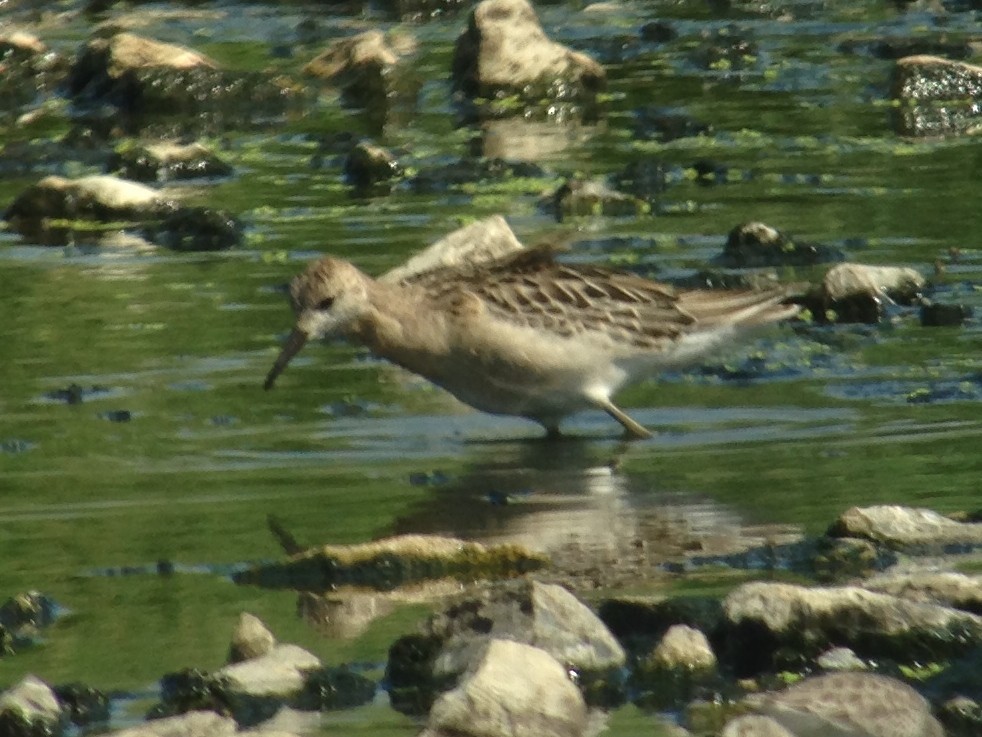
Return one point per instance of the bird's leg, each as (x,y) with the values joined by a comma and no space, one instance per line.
(552,431)
(632,429)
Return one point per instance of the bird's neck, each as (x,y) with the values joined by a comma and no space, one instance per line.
(401,326)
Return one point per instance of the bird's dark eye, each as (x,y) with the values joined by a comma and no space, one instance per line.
(325,304)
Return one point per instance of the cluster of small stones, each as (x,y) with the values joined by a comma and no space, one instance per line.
(527,657)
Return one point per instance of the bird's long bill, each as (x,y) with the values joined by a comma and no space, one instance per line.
(296,341)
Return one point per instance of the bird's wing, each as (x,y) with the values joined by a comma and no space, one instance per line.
(531,289)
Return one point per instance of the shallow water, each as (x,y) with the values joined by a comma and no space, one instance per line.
(176,454)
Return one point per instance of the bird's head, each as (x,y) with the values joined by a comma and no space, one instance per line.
(327,298)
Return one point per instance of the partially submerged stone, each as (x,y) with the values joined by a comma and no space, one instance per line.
(480,241)
(511,689)
(385,564)
(681,662)
(29,708)
(150,81)
(363,66)
(938,96)
(906,528)
(756,244)
(368,165)
(504,51)
(763,618)
(849,280)
(542,615)
(850,704)
(683,648)
(101,198)
(250,689)
(166,160)
(577,197)
(854,292)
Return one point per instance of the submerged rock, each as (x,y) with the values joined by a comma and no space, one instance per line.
(504,52)
(385,564)
(513,690)
(936,315)
(849,704)
(195,229)
(938,96)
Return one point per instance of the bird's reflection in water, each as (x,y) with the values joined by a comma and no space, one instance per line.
(601,527)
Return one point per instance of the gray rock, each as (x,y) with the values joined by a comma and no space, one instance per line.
(840,659)
(504,50)
(850,705)
(126,52)
(278,673)
(905,528)
(510,690)
(30,707)
(543,615)
(251,639)
(762,617)
(683,648)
